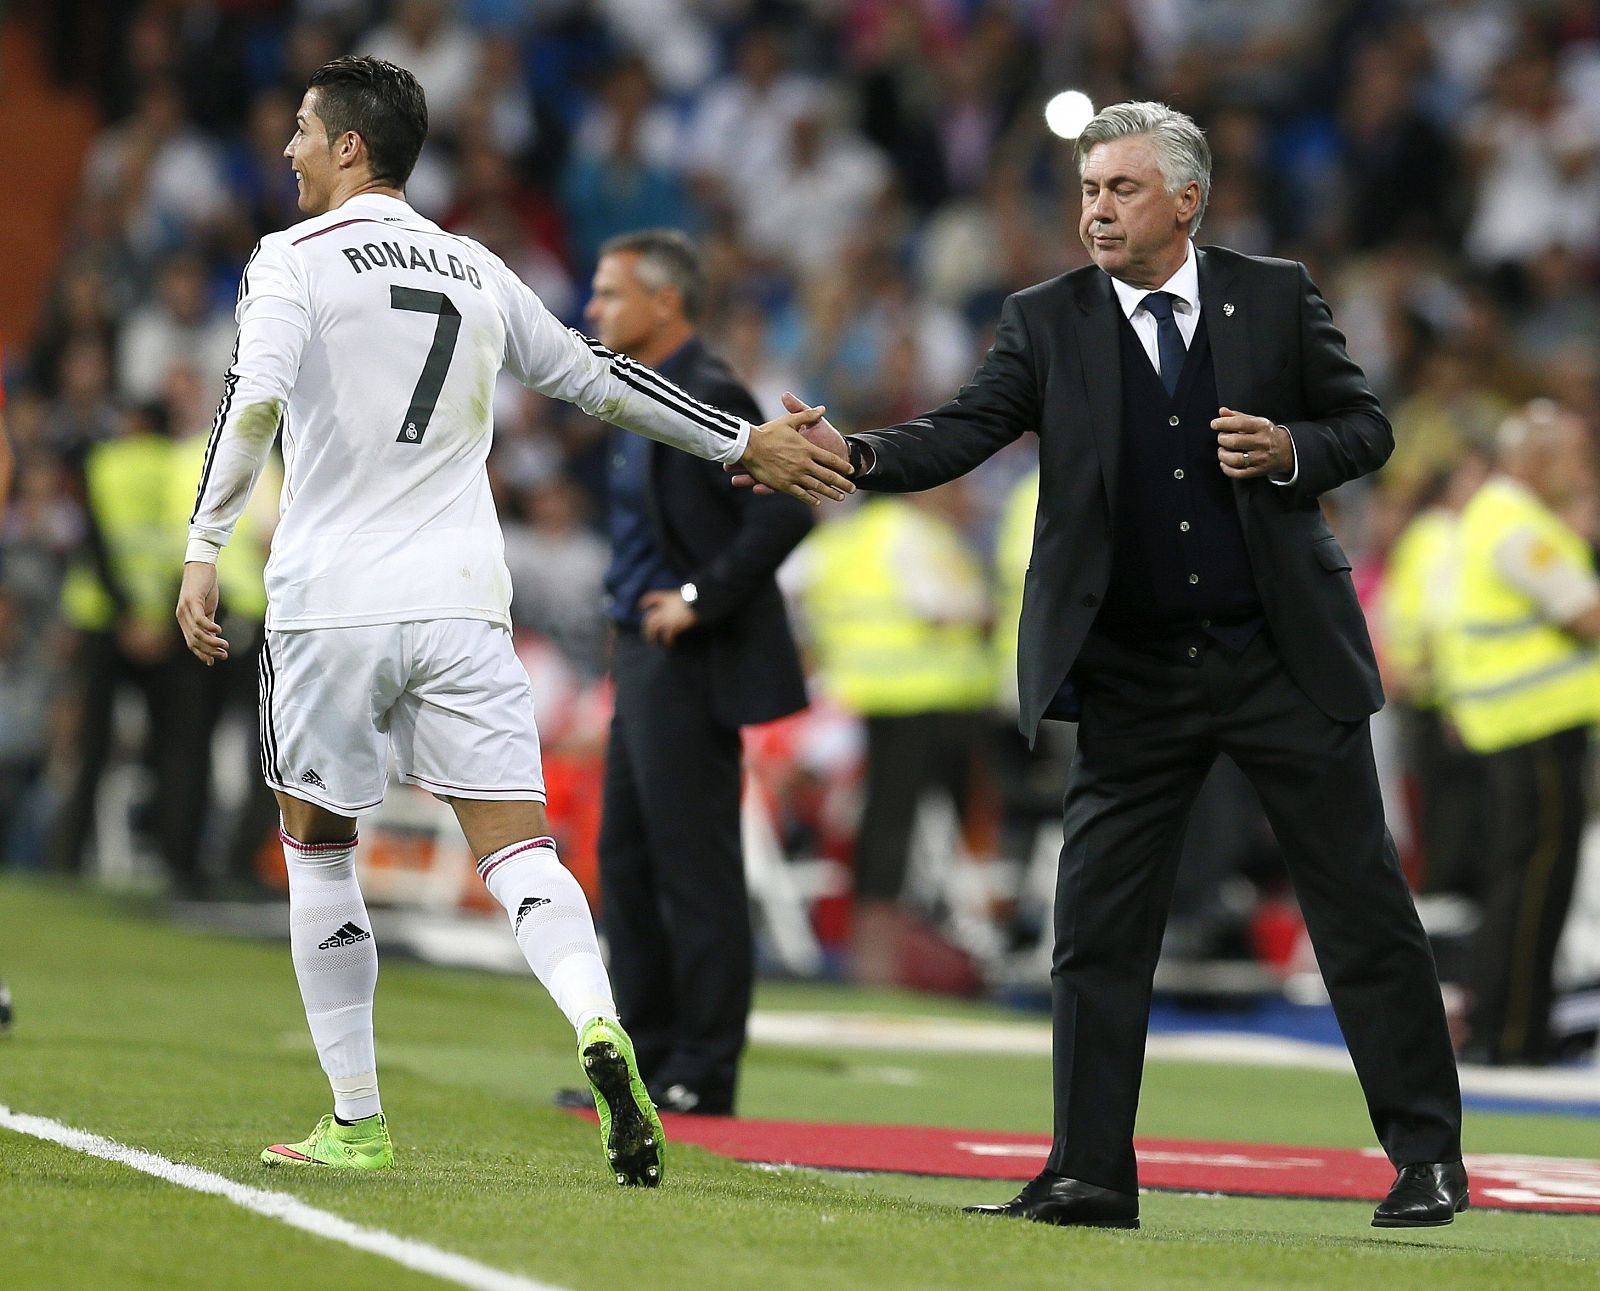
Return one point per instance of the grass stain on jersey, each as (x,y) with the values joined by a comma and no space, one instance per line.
(258,423)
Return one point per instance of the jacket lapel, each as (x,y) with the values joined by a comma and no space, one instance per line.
(1230,353)
(1102,375)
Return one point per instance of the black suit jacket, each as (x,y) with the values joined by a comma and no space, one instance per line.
(729,543)
(1054,370)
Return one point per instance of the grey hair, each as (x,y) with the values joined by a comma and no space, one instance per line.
(667,258)
(1182,152)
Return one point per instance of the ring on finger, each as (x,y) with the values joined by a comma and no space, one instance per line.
(1247,459)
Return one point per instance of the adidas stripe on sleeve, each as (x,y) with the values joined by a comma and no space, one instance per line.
(273,311)
(564,364)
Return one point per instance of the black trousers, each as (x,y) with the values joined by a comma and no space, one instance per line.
(675,908)
(907,755)
(174,690)
(1537,812)
(1453,816)
(1150,730)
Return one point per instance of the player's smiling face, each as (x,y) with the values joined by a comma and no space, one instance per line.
(311,155)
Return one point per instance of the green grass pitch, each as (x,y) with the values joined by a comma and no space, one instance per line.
(194,1047)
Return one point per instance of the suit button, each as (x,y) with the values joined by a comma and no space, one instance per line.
(1194,652)
(1090,599)
(1193,579)
(1172,420)
(1177,475)
(1183,526)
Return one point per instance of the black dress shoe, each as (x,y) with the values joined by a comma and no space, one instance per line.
(1424,1196)
(574,1100)
(1054,1199)
(688,1102)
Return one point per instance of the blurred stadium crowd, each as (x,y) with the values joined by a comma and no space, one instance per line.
(867,179)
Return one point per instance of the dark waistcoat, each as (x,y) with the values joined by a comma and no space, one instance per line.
(1179,567)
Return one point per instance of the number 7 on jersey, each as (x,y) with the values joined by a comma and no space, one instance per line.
(431,382)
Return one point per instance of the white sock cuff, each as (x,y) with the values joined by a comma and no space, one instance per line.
(494,860)
(313,853)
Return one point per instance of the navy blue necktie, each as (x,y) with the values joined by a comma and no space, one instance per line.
(1169,340)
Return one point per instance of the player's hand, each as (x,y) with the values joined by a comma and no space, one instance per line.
(1250,446)
(197,613)
(667,616)
(799,454)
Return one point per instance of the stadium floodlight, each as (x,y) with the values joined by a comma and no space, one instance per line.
(1068,112)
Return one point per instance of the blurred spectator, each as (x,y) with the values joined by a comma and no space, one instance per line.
(622,174)
(119,598)
(181,325)
(425,38)
(1520,667)
(1415,603)
(1449,409)
(558,569)
(1536,164)
(166,174)
(831,182)
(897,611)
(739,136)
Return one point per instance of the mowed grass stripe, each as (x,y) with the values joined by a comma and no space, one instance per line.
(282,1207)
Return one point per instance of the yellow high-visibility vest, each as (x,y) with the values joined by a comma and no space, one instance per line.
(1013,549)
(129,484)
(1510,676)
(1419,588)
(879,656)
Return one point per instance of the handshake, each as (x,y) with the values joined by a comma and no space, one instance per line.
(799,453)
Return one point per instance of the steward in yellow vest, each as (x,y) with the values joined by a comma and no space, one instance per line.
(119,598)
(1520,677)
(897,610)
(1415,602)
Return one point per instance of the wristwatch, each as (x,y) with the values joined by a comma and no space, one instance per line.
(690,593)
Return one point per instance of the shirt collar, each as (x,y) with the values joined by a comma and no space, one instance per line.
(1184,286)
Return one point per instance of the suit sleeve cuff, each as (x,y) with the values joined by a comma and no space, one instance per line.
(862,455)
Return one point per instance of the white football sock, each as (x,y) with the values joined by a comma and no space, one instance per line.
(551,921)
(336,962)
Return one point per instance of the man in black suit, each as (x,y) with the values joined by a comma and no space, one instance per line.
(1187,599)
(702,647)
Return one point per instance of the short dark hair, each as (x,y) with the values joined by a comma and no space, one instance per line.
(378,101)
(667,258)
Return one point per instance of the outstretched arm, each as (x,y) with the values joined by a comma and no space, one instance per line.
(565,364)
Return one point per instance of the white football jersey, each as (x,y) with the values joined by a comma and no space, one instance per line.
(372,337)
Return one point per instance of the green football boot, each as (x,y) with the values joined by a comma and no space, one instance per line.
(363,1145)
(630,1130)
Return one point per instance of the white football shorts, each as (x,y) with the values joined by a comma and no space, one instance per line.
(449,695)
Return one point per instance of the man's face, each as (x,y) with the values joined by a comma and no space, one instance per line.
(624,313)
(310,152)
(1133,228)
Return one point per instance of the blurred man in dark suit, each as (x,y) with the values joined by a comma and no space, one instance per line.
(702,648)
(1186,599)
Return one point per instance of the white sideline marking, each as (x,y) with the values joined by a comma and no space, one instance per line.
(281,1206)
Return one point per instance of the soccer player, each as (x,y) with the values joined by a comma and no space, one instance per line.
(371,339)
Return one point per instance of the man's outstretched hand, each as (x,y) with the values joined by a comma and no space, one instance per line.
(814,462)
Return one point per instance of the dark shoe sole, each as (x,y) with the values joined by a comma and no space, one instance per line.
(633,1147)
(1464,1204)
(1000,1212)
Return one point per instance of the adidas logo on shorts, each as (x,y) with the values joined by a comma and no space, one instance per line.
(311,777)
(528,903)
(346,936)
